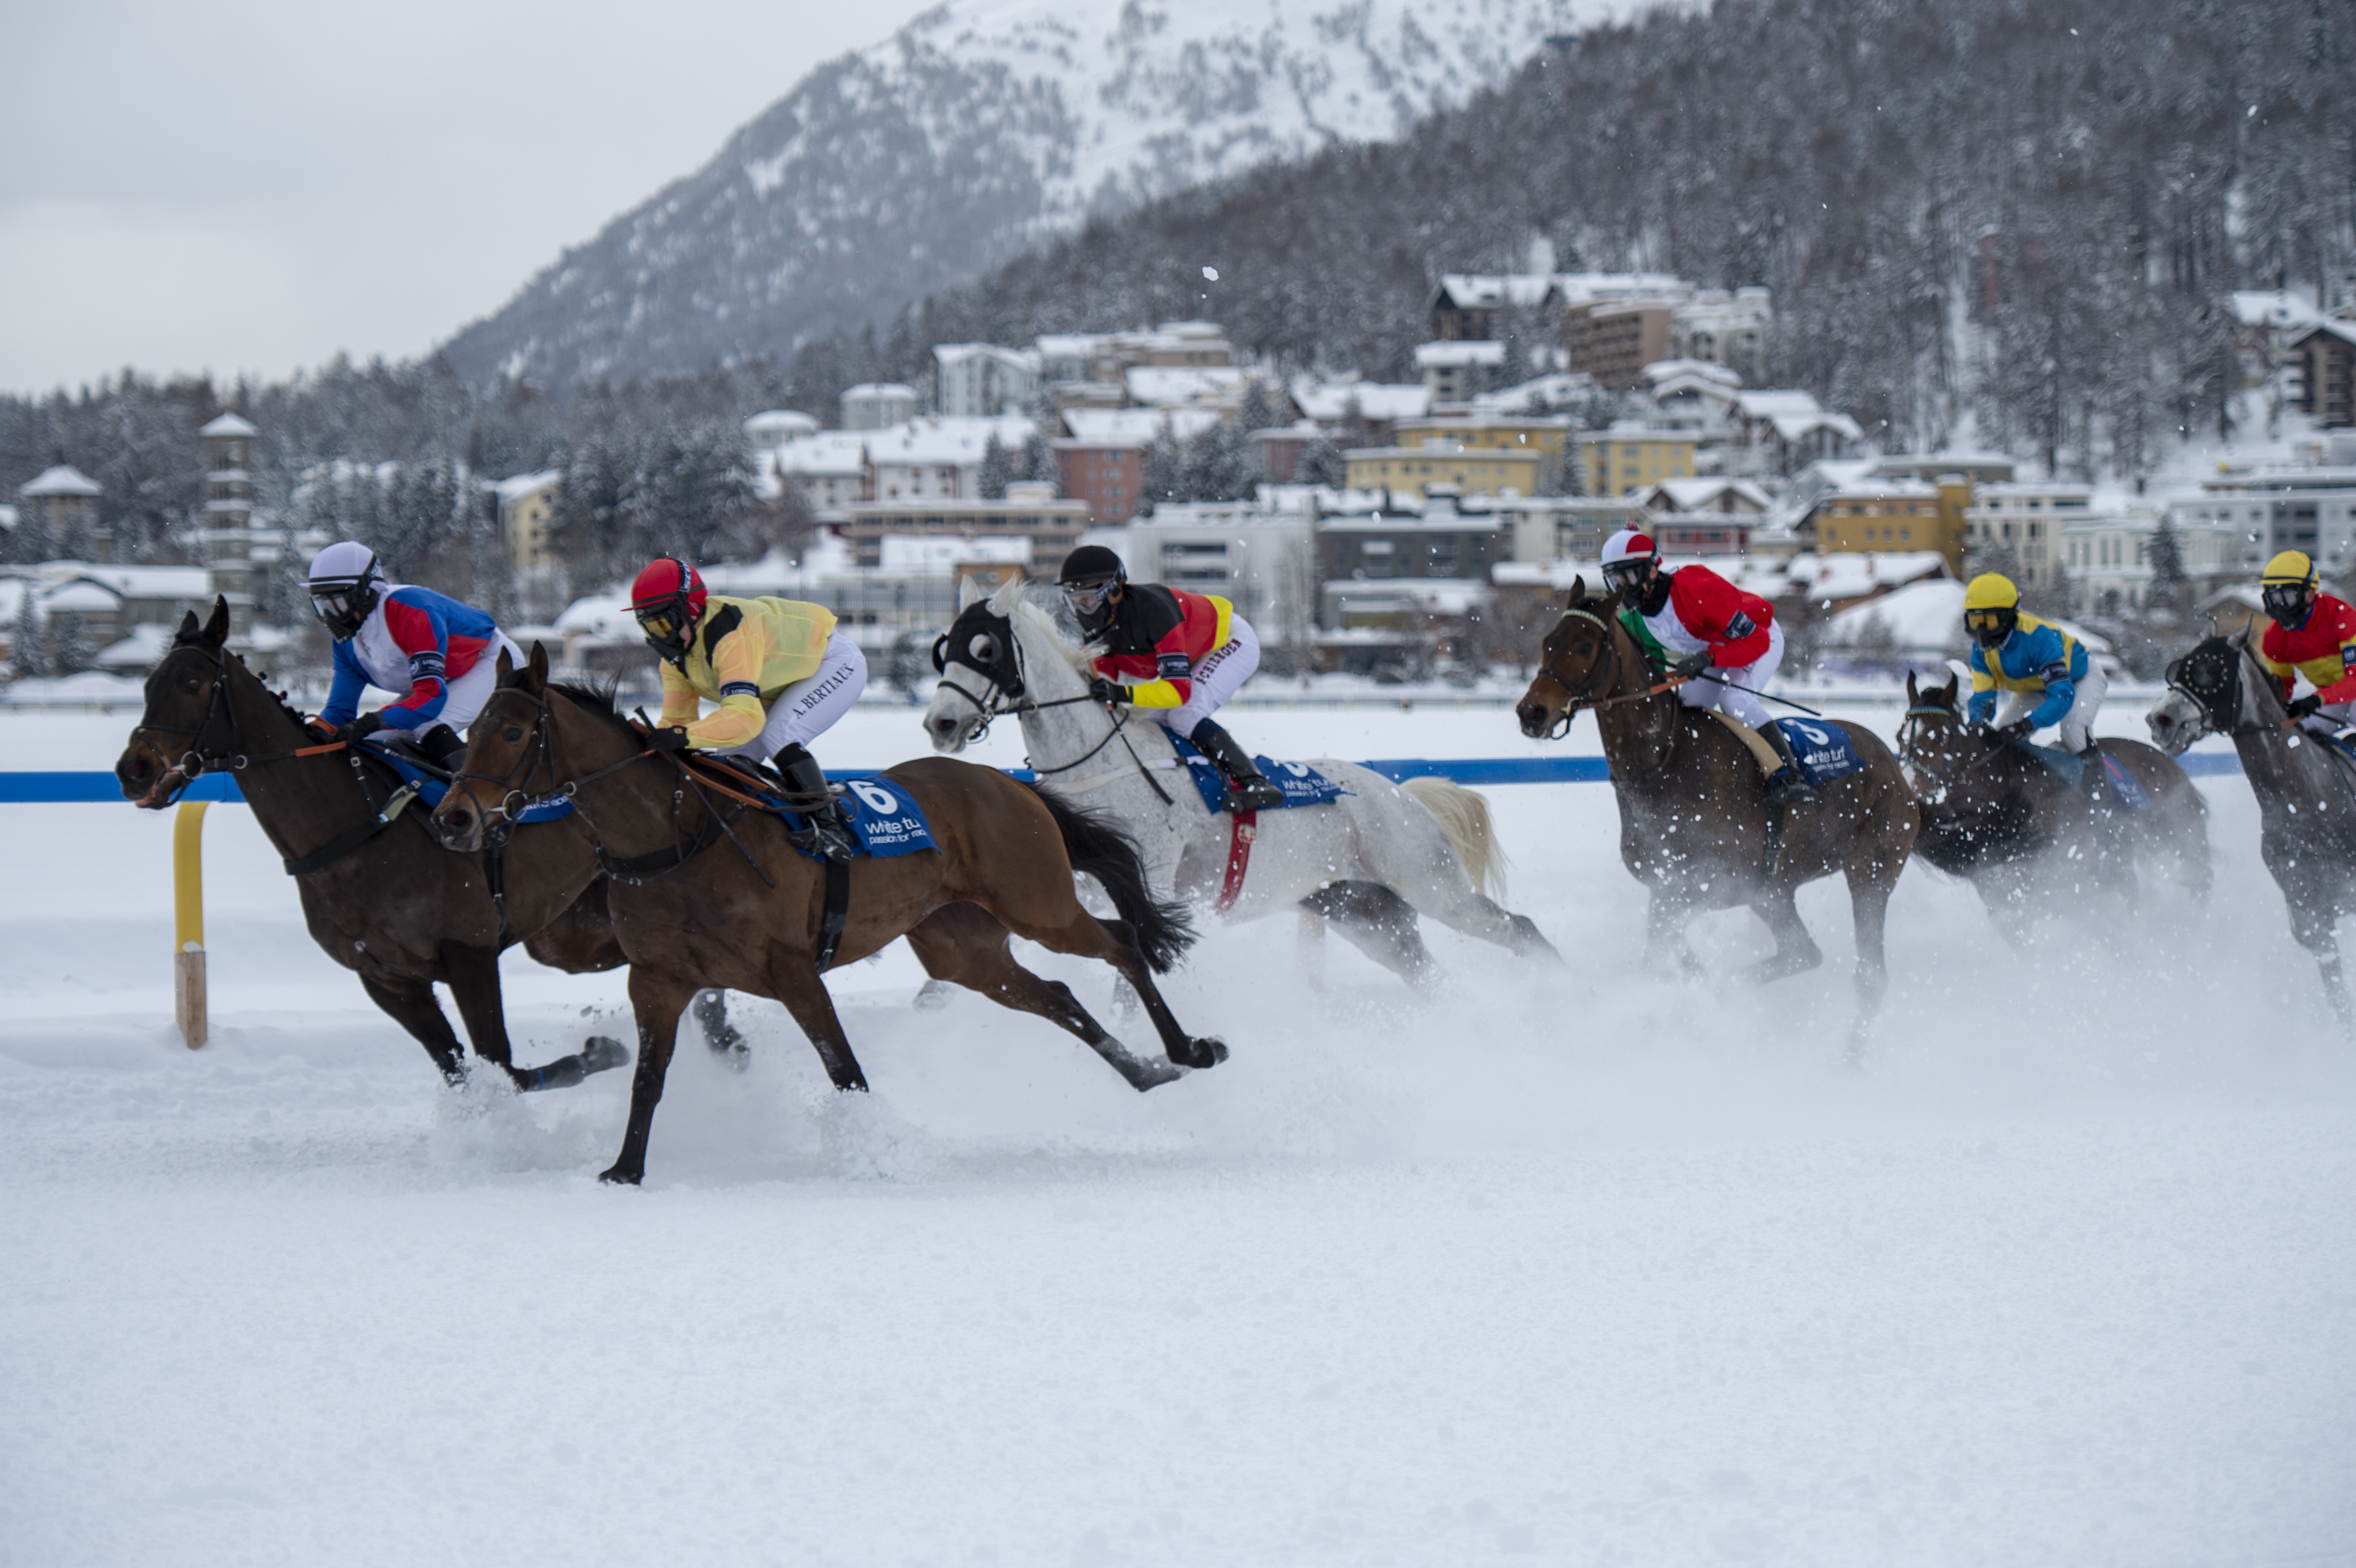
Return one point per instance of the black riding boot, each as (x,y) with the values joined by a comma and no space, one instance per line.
(2091,782)
(1247,789)
(441,744)
(1789,785)
(827,835)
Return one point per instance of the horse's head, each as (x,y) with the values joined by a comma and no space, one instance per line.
(981,669)
(1575,662)
(186,711)
(2205,695)
(1934,747)
(507,750)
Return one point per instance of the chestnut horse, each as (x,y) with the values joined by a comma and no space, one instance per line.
(1694,821)
(394,907)
(704,893)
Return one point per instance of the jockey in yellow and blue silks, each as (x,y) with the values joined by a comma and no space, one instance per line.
(2028,673)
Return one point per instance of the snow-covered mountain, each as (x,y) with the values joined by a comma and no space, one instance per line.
(982,126)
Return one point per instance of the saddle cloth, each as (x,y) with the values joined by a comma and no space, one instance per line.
(1824,751)
(2125,788)
(885,819)
(430,790)
(1302,784)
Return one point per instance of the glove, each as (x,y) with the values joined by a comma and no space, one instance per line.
(367,724)
(2022,729)
(2311,703)
(670,738)
(321,730)
(1107,692)
(1691,665)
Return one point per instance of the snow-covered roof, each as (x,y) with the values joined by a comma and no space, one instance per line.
(953,353)
(1581,287)
(880,390)
(1868,486)
(939,556)
(141,650)
(7,517)
(62,480)
(1558,388)
(1160,386)
(1431,596)
(774,427)
(2277,308)
(81,598)
(828,455)
(2343,330)
(517,487)
(227,425)
(1922,616)
(1477,290)
(1460,351)
(1328,402)
(944,439)
(1709,495)
(1660,370)
(1848,574)
(1138,426)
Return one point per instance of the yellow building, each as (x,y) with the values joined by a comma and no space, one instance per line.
(1474,471)
(1628,457)
(527,505)
(1546,435)
(1892,515)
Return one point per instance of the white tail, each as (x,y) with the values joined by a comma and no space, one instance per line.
(1464,816)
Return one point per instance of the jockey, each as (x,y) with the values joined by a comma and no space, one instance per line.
(444,655)
(2312,633)
(780,669)
(1183,655)
(2028,673)
(1723,640)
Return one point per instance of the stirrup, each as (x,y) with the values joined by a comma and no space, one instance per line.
(1788,783)
(1251,795)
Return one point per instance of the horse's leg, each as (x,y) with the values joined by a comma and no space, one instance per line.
(793,980)
(411,1005)
(724,1038)
(2316,924)
(1378,922)
(1083,935)
(1416,859)
(1664,935)
(1868,897)
(656,999)
(473,973)
(1312,947)
(961,944)
(1795,951)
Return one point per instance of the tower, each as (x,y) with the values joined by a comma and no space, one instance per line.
(63,503)
(229,518)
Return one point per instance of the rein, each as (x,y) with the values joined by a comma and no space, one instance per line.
(995,707)
(1578,699)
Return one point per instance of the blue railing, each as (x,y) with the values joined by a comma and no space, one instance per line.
(56,788)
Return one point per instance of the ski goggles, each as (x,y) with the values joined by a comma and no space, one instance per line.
(1086,597)
(1623,575)
(1985,623)
(658,622)
(2285,601)
(331,607)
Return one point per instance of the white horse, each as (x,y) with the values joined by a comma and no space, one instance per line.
(1369,862)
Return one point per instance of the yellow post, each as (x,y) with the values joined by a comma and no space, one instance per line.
(188,921)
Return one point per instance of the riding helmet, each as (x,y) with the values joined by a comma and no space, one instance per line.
(1089,576)
(1991,609)
(2287,589)
(1629,557)
(667,599)
(344,583)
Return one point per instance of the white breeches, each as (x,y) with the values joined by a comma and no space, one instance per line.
(2077,725)
(472,689)
(1730,699)
(1215,678)
(808,709)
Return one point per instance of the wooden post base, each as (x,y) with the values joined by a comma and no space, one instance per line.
(188,996)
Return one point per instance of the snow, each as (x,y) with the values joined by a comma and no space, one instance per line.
(227,425)
(1328,402)
(1138,427)
(61,480)
(1583,1266)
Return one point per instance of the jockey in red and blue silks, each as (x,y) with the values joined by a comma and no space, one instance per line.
(444,654)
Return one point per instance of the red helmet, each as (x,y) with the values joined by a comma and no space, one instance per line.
(1629,557)
(667,599)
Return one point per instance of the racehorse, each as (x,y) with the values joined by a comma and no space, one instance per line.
(2306,789)
(1694,827)
(1369,861)
(2025,838)
(384,901)
(753,916)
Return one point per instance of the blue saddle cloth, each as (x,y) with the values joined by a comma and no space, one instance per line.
(1302,784)
(885,818)
(2125,788)
(430,790)
(1824,748)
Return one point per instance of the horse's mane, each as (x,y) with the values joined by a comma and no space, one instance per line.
(597,697)
(192,639)
(1035,605)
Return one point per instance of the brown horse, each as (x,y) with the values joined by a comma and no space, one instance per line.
(707,894)
(393,907)
(2029,839)
(1695,827)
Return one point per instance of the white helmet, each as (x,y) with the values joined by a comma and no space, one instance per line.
(1626,557)
(346,582)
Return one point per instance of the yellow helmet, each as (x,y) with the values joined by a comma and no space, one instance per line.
(1991,591)
(2290,566)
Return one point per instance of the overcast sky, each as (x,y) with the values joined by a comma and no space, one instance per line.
(254,185)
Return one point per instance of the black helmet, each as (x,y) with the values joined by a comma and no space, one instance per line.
(1089,576)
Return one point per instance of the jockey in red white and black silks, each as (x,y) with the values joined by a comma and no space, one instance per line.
(1173,655)
(442,654)
(1722,641)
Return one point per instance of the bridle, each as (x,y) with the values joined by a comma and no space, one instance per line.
(2225,696)
(1909,733)
(1580,698)
(1000,698)
(196,760)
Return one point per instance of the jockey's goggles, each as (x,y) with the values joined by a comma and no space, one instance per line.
(1622,576)
(2285,601)
(331,607)
(1990,625)
(1086,597)
(658,621)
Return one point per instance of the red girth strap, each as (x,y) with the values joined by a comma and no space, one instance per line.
(1238,859)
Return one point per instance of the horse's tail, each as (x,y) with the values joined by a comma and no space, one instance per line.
(1464,816)
(1096,844)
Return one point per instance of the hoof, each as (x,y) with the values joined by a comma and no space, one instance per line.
(933,996)
(614,1175)
(1201,1053)
(602,1052)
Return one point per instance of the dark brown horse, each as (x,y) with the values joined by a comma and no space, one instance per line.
(707,893)
(2030,840)
(1694,821)
(396,908)
(2306,789)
